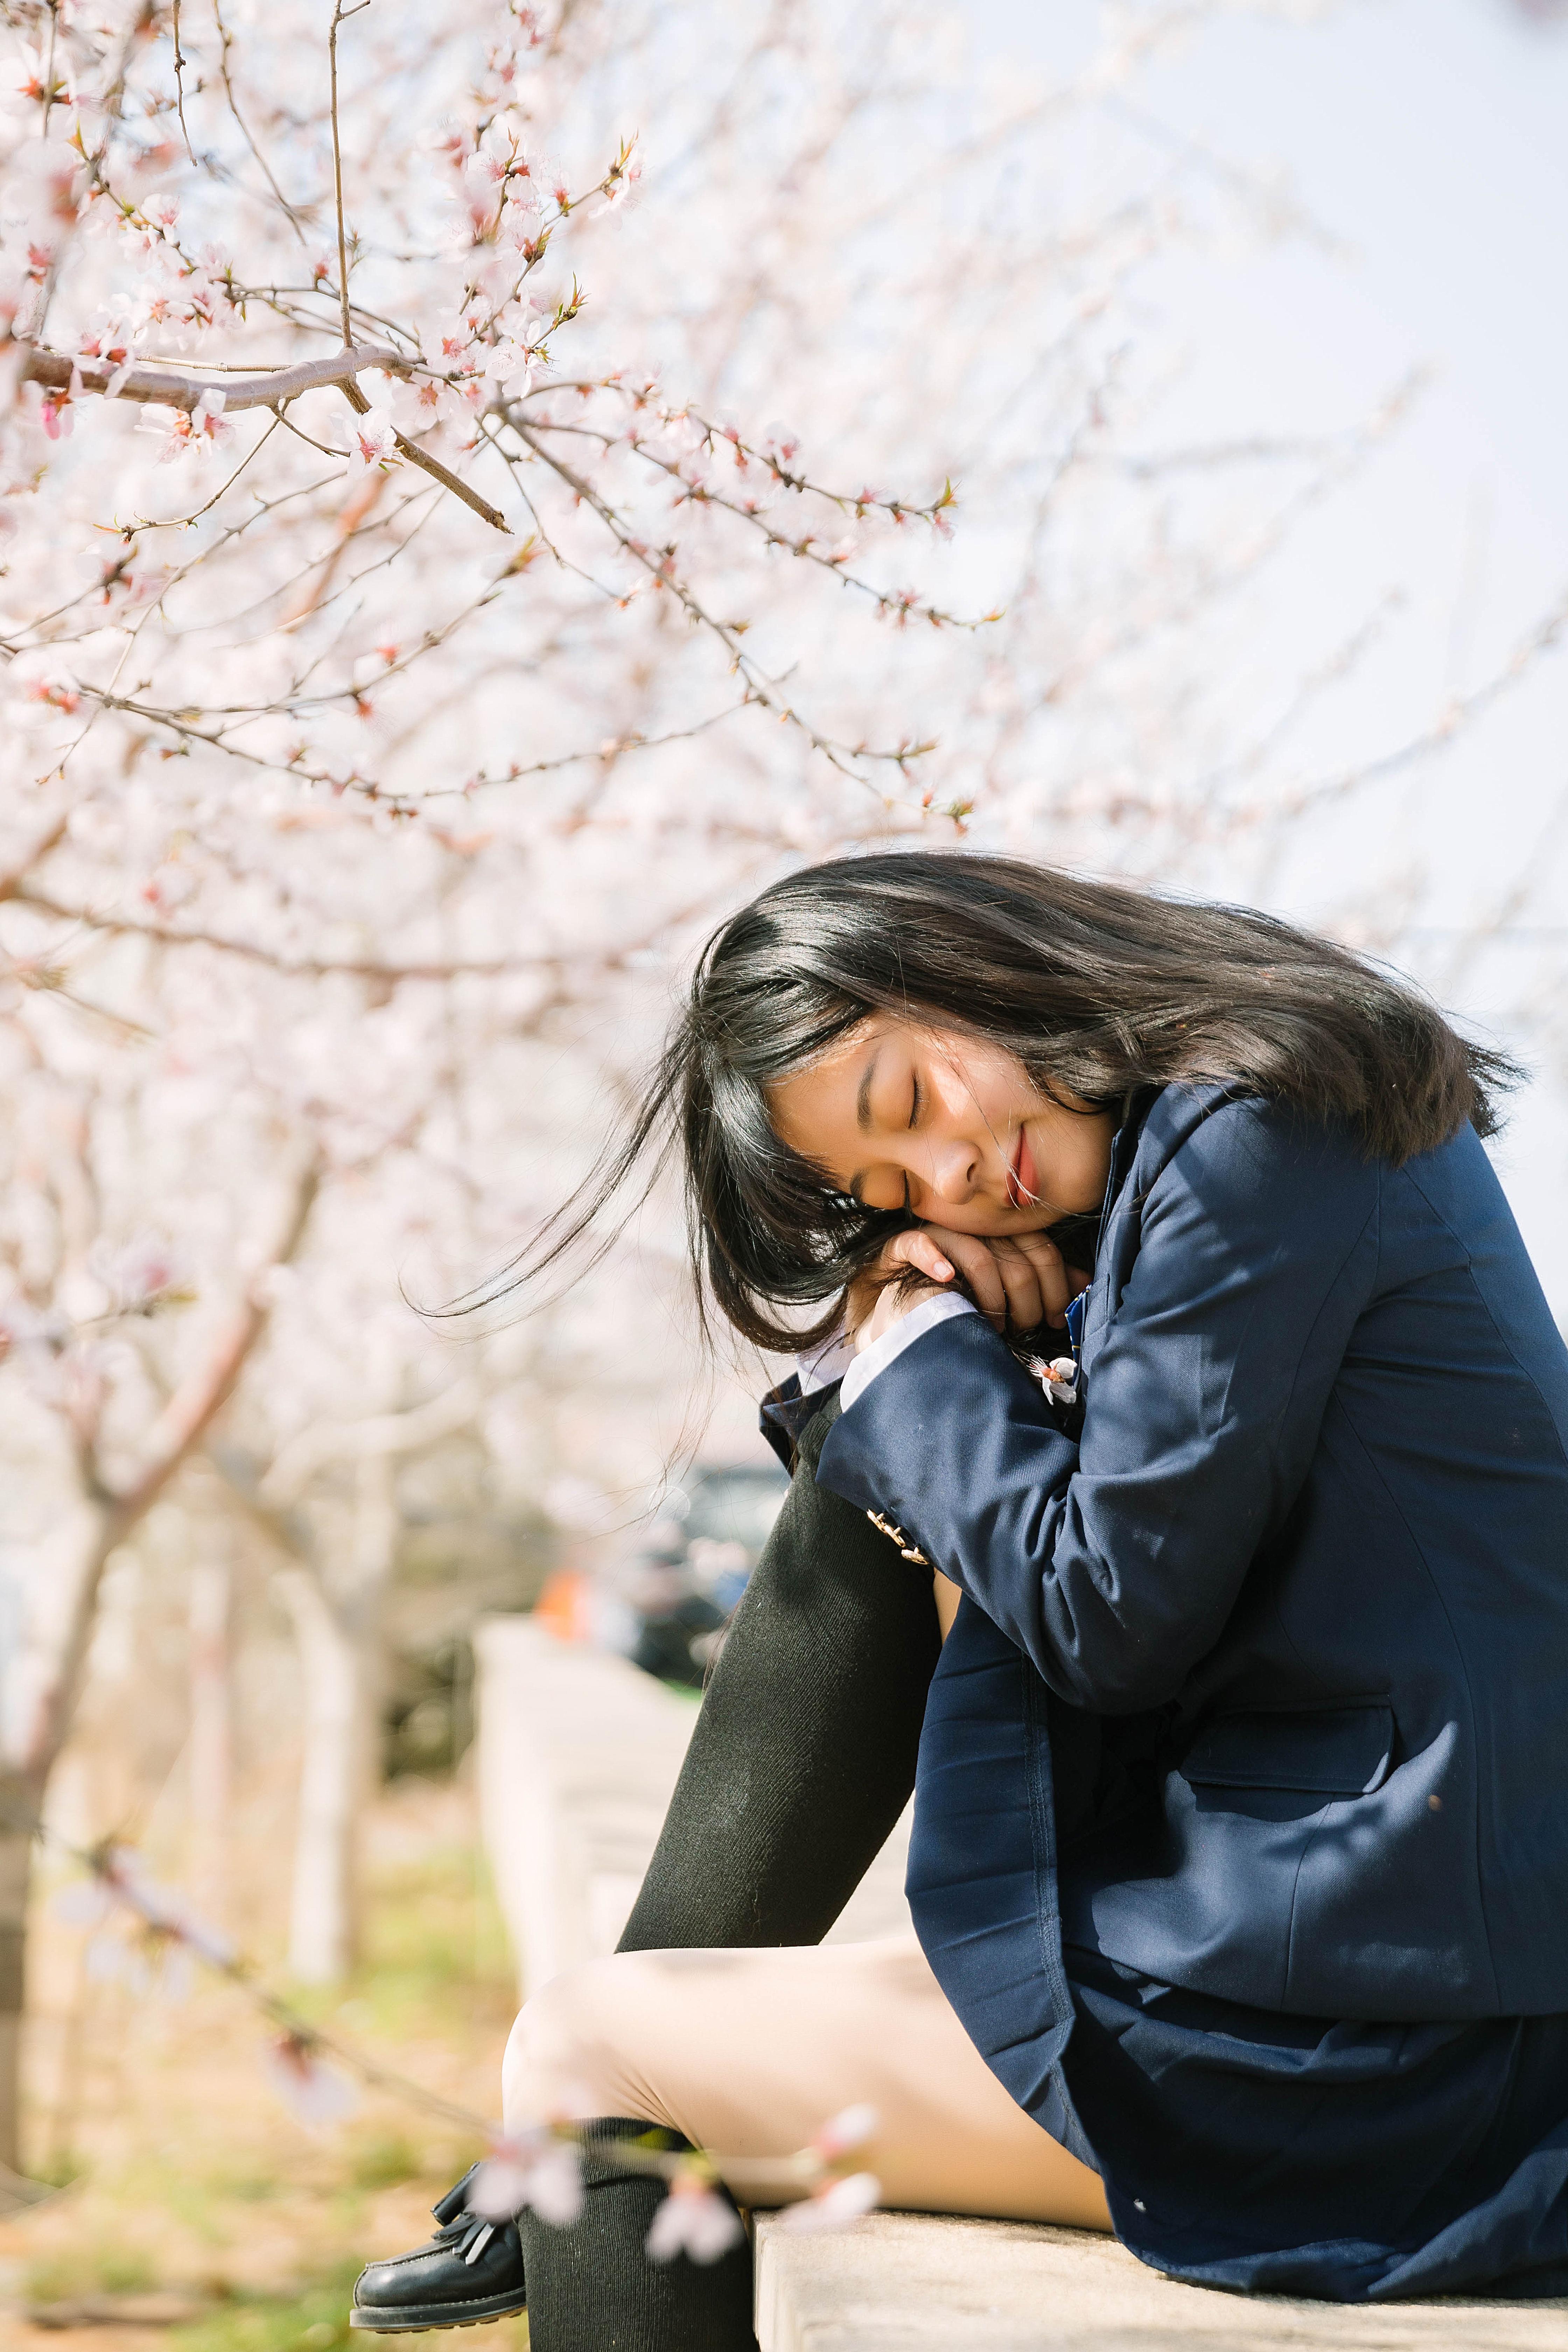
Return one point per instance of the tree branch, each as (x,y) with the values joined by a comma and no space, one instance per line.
(172,387)
(324,1444)
(434,468)
(13,879)
(251,951)
(179,1427)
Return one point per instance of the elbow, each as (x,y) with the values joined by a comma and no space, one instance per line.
(1121,1680)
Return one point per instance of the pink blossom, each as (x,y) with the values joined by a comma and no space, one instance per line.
(851,2128)
(205,428)
(33,79)
(110,1960)
(374,441)
(87,1903)
(108,341)
(315,2095)
(841,2201)
(522,193)
(121,1873)
(532,2167)
(695,2221)
(207,419)
(445,340)
(512,365)
(485,173)
(138,1273)
(621,192)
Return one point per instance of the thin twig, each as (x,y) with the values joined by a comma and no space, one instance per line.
(180,84)
(290,211)
(115,1871)
(252,951)
(431,466)
(339,14)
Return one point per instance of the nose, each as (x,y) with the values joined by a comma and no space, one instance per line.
(952,1173)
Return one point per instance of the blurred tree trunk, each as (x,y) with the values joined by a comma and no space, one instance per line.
(337,1604)
(16,1871)
(335,1784)
(211,1757)
(339,1627)
(112,1513)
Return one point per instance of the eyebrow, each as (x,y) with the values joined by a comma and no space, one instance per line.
(863,1099)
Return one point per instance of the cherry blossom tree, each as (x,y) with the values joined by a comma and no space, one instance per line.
(106,1420)
(327,1505)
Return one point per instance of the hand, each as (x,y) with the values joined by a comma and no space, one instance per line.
(1020,1279)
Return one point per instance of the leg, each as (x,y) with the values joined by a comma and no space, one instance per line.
(593,2288)
(749,2053)
(802,1761)
(804,1755)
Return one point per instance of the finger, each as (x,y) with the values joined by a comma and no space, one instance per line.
(1021,1281)
(1057,1285)
(921,1249)
(973,1260)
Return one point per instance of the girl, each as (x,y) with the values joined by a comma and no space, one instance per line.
(1158,1298)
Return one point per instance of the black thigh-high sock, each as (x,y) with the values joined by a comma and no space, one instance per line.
(802,1761)
(803,1753)
(591,2286)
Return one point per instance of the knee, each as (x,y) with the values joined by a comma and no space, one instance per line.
(566,2054)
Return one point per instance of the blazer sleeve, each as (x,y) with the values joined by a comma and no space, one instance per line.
(1114,1561)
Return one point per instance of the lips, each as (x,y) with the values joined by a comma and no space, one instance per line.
(1023,1177)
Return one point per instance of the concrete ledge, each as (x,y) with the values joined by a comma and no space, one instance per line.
(900,2281)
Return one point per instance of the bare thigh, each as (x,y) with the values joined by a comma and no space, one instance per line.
(749,2053)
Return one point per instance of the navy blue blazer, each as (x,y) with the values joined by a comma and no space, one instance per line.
(1267,1671)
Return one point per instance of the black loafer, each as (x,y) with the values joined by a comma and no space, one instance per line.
(470,2270)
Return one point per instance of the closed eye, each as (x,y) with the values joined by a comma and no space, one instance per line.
(914,1100)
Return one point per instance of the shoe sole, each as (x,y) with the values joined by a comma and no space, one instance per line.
(423,2320)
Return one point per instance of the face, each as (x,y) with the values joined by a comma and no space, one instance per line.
(946,1126)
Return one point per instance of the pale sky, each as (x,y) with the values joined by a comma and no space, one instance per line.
(1430,138)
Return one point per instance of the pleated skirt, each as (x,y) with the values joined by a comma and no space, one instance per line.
(1306,2155)
(1239,2148)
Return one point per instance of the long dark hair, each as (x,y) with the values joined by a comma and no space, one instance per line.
(1100,991)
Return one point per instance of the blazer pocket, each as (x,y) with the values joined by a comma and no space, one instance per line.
(1340,1751)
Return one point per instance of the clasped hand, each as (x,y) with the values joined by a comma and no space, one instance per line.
(1018,1279)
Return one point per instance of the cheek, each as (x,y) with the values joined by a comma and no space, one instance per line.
(995,1091)
(1091,1166)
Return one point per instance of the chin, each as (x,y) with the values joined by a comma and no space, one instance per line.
(1003,1222)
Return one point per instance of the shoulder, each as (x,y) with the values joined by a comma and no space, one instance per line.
(1238,1157)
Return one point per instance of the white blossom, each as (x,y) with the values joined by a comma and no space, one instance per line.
(693,2219)
(836,2205)
(529,2168)
(316,2094)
